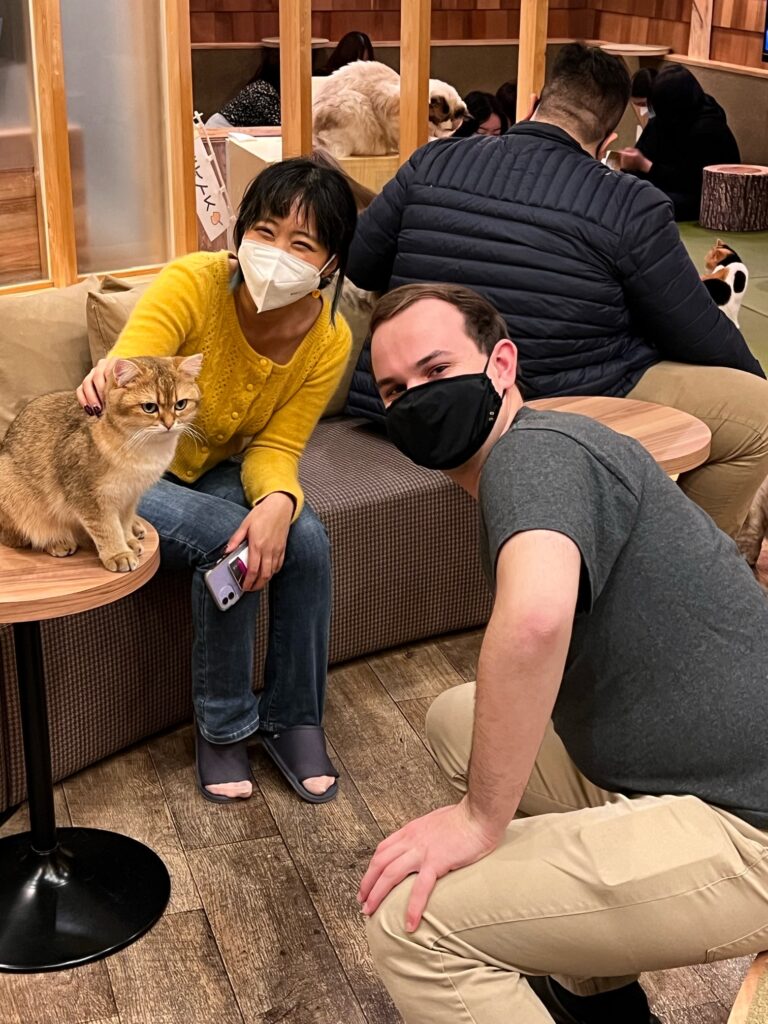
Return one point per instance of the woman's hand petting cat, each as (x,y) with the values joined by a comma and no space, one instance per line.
(266,527)
(90,394)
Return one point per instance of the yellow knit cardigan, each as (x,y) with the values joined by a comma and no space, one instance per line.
(249,404)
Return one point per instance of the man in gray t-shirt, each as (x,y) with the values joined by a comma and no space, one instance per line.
(623,615)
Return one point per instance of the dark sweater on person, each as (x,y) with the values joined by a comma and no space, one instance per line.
(680,149)
(585,264)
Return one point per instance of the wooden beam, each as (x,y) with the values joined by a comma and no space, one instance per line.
(180,133)
(296,77)
(700,38)
(56,173)
(532,59)
(415,16)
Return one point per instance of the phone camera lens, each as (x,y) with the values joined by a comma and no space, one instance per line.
(225,600)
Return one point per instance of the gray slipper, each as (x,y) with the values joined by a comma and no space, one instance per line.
(219,763)
(299,753)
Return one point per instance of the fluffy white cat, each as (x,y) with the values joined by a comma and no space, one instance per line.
(356,110)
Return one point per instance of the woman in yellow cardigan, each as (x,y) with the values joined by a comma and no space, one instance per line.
(273,353)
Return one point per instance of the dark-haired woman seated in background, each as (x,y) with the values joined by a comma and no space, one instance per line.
(688,131)
(273,354)
(486,116)
(257,105)
(353,46)
(642,82)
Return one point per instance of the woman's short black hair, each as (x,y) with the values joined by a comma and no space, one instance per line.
(269,69)
(321,192)
(642,83)
(353,46)
(480,106)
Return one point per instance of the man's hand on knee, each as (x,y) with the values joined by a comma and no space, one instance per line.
(429,847)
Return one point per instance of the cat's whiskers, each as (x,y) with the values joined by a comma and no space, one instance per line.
(195,433)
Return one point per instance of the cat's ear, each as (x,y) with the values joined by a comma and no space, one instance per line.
(124,371)
(191,365)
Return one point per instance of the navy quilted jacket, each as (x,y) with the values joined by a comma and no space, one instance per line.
(585,265)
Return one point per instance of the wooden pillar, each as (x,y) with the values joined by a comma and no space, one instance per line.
(54,142)
(701,29)
(532,59)
(180,132)
(296,76)
(414,75)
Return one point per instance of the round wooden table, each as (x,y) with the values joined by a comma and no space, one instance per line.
(676,440)
(70,895)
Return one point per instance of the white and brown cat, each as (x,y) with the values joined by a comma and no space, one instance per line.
(356,110)
(67,478)
(726,279)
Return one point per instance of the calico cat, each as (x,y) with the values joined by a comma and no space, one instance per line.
(356,110)
(726,279)
(66,477)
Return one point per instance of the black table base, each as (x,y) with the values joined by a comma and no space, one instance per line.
(70,895)
(95,894)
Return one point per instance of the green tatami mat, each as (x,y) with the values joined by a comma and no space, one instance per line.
(757,294)
(754,327)
(752,246)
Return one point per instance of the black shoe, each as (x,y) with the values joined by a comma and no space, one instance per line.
(626,1005)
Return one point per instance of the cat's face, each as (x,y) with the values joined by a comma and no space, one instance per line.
(154,397)
(717,254)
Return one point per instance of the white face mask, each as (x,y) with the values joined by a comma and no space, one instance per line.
(276,278)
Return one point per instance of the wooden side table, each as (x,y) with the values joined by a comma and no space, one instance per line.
(676,440)
(69,895)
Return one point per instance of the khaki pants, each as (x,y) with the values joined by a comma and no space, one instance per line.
(591,887)
(734,405)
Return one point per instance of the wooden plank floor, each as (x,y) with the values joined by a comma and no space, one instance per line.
(263,927)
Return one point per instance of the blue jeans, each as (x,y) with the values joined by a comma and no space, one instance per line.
(194,522)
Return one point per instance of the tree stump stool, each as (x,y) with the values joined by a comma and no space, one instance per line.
(734,197)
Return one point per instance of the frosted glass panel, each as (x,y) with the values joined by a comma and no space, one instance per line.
(22,233)
(113,65)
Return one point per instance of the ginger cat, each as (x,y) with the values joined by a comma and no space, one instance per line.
(66,477)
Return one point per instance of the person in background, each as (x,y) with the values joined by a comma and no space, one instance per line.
(274,351)
(642,82)
(585,265)
(506,95)
(688,131)
(486,116)
(257,105)
(353,46)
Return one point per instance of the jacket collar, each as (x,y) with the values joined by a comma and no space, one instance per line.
(550,132)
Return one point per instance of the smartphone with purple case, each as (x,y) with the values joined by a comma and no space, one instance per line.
(224,579)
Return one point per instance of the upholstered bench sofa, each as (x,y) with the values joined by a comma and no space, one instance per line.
(403,541)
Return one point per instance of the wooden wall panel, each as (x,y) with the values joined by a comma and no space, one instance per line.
(736,36)
(741,15)
(224,21)
(737,47)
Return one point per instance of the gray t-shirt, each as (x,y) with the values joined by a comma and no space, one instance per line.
(666,682)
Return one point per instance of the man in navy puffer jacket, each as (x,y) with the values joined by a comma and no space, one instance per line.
(585,265)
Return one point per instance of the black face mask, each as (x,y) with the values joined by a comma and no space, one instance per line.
(442,424)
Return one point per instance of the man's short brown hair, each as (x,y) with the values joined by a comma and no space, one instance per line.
(483,324)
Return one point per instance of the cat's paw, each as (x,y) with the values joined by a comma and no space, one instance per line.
(62,548)
(137,528)
(135,545)
(123,561)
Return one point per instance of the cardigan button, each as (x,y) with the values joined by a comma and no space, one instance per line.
(249,387)
(263,362)
(235,415)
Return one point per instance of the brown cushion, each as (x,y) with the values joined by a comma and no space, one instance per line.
(108,308)
(355,306)
(43,345)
